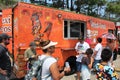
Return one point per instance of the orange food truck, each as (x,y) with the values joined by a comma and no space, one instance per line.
(27,22)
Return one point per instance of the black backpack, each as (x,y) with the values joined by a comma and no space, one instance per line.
(36,70)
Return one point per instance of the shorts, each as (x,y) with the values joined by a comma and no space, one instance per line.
(78,66)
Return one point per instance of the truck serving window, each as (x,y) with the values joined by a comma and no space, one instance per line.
(73,29)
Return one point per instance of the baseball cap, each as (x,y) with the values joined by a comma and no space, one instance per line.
(5,36)
(32,44)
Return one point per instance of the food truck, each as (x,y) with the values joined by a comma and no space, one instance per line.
(27,22)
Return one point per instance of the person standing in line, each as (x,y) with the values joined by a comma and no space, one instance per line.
(97,51)
(50,70)
(30,54)
(87,62)
(80,48)
(103,70)
(5,59)
(111,45)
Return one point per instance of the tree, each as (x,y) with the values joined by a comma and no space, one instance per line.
(58,4)
(90,7)
(7,3)
(78,4)
(71,8)
(67,4)
(113,10)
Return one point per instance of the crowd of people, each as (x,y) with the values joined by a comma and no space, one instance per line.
(98,59)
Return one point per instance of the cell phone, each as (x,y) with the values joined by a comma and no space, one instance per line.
(67,64)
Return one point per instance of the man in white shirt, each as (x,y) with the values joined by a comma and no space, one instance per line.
(97,51)
(80,48)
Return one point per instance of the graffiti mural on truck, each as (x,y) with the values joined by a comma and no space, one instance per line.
(36,27)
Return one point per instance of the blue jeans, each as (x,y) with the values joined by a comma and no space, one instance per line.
(95,62)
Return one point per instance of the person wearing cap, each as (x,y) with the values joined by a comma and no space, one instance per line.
(5,59)
(50,69)
(30,54)
(80,48)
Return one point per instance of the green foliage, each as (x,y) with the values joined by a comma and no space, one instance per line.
(7,3)
(90,7)
(58,4)
(113,8)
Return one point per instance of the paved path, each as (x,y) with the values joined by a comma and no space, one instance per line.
(116,63)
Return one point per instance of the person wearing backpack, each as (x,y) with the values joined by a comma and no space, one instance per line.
(103,70)
(50,69)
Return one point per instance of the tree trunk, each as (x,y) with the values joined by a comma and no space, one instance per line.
(67,3)
(63,4)
(45,2)
(71,5)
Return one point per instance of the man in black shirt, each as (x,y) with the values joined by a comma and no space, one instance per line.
(5,61)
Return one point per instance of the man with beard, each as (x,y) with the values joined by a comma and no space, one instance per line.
(5,59)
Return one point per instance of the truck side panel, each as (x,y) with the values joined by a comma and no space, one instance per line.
(30,22)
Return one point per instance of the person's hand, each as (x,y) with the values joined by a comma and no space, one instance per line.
(34,78)
(85,55)
(67,69)
(4,72)
(33,56)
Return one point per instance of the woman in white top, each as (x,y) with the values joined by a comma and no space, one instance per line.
(50,66)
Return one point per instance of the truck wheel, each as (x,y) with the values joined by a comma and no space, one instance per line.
(72,63)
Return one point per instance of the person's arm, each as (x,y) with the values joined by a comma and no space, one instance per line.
(3,72)
(26,56)
(55,71)
(94,54)
(96,50)
(76,47)
(91,63)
